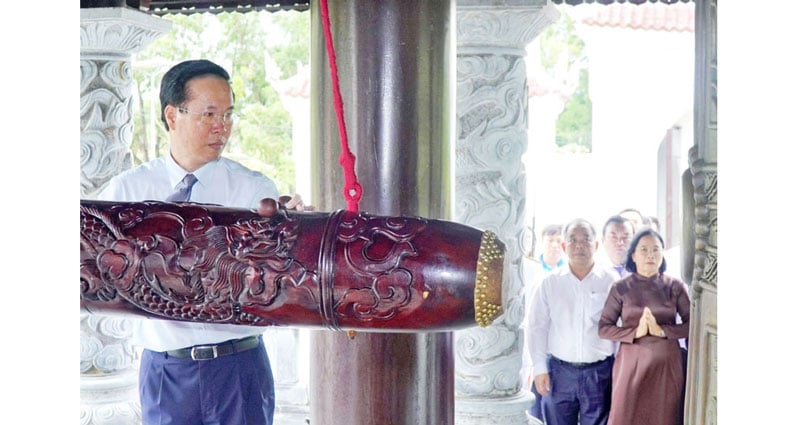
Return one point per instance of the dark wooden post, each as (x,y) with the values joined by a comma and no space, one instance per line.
(394,59)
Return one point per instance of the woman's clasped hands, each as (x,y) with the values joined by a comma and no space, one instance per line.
(648,325)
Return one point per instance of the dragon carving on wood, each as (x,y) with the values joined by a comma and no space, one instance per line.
(339,270)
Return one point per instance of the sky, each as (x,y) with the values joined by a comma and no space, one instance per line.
(758,143)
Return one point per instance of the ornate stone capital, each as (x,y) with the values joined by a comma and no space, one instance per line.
(109,36)
(109,32)
(505,25)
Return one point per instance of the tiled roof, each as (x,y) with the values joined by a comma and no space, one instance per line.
(164,7)
(654,17)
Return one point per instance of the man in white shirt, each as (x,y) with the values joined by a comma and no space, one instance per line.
(571,364)
(192,373)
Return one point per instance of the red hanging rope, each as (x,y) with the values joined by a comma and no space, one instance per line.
(352,189)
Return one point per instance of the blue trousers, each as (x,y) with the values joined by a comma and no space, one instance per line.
(237,389)
(578,395)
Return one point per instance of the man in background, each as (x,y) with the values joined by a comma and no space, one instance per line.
(637,219)
(534,270)
(617,234)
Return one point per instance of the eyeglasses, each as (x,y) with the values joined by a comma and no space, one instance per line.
(209,118)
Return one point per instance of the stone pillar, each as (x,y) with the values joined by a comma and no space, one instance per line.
(701,387)
(288,352)
(394,61)
(109,36)
(491,128)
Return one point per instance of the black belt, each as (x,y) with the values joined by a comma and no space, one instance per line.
(578,365)
(212,351)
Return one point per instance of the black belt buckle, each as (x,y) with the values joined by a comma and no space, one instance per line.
(579,365)
(213,351)
(204,352)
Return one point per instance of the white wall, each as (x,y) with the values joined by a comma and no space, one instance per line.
(641,84)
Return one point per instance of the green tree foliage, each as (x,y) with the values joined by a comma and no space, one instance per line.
(563,53)
(561,46)
(257,48)
(574,125)
(295,42)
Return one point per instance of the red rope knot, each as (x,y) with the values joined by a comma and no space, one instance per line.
(352,190)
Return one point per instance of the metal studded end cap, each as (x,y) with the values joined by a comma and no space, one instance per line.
(489,280)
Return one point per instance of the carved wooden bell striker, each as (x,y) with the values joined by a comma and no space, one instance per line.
(338,270)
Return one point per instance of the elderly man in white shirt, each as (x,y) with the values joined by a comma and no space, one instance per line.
(571,364)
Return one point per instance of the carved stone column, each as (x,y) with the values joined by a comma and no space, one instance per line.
(291,389)
(701,389)
(491,132)
(109,36)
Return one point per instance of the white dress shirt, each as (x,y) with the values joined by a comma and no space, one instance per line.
(222,182)
(564,318)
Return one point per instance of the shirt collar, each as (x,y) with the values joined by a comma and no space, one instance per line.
(176,173)
(597,270)
(546,267)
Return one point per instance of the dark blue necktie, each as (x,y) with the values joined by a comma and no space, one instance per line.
(184,191)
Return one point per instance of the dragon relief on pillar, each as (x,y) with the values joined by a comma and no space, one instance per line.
(492,136)
(490,193)
(491,116)
(106,125)
(192,269)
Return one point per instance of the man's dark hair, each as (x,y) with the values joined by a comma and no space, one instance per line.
(615,219)
(173,84)
(552,229)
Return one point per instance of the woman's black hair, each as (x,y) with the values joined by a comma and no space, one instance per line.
(629,264)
